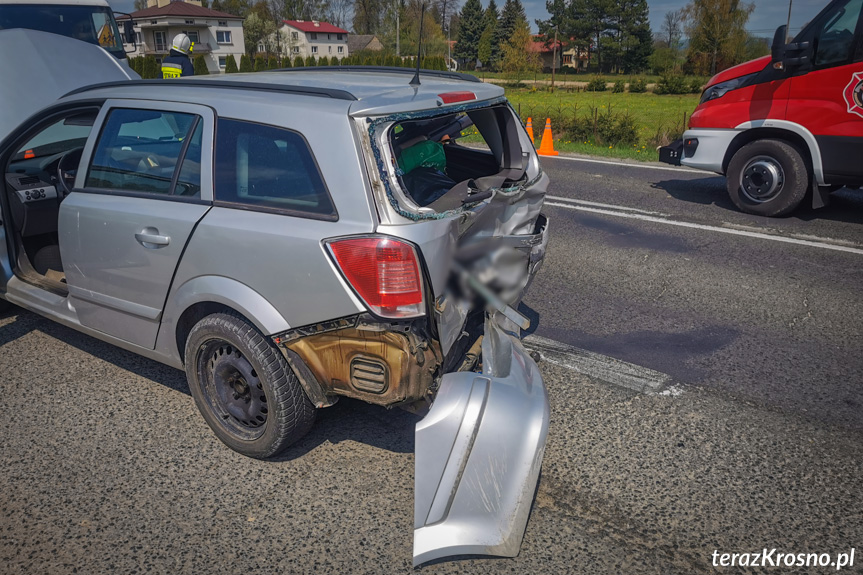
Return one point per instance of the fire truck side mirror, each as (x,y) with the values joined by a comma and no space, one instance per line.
(129,31)
(777,49)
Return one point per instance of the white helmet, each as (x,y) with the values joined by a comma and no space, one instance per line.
(181,43)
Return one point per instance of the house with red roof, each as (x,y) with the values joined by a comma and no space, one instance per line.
(549,54)
(217,35)
(306,38)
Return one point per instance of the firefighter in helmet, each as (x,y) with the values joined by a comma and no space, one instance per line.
(178,63)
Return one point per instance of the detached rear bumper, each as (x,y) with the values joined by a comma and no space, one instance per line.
(478,454)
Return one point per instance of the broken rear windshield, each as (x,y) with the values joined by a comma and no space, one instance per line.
(447,161)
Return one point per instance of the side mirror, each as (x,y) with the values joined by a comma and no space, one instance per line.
(129,31)
(777,48)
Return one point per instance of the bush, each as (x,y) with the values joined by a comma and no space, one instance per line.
(695,85)
(618,87)
(231,64)
(310,61)
(638,86)
(200,66)
(273,63)
(149,68)
(596,84)
(324,61)
(246,64)
(672,84)
(299,62)
(604,128)
(260,64)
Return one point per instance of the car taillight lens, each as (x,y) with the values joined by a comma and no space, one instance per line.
(384,272)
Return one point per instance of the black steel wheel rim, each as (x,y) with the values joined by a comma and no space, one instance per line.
(762,179)
(232,389)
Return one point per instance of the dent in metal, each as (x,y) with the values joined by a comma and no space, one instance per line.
(478,454)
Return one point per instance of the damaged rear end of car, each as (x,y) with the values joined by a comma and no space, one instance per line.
(459,235)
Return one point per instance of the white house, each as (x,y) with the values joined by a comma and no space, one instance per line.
(313,38)
(217,35)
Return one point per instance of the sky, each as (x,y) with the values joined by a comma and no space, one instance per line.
(767,16)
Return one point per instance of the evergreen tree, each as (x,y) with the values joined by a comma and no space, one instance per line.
(310,61)
(200,66)
(231,64)
(260,64)
(512,18)
(489,29)
(273,63)
(518,60)
(149,68)
(299,62)
(246,64)
(286,62)
(469,32)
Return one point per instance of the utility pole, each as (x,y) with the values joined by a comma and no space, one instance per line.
(398,28)
(554,58)
(788,23)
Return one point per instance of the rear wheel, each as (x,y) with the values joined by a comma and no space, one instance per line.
(767,178)
(244,388)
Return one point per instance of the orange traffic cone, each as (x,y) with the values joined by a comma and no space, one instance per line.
(546,147)
(529,128)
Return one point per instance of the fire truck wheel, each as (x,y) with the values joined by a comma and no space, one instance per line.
(767,178)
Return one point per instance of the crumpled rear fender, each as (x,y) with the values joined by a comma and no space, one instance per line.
(478,454)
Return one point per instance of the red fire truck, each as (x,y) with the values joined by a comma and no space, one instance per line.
(785,125)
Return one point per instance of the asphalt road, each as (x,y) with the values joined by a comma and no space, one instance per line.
(108,468)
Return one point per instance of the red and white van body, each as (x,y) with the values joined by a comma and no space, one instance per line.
(811,104)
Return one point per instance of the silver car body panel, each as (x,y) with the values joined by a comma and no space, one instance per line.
(478,455)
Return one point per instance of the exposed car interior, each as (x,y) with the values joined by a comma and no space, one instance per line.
(478,148)
(38,177)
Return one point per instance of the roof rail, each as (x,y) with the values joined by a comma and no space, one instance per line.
(389,69)
(225,84)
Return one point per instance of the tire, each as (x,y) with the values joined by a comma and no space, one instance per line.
(768,178)
(244,388)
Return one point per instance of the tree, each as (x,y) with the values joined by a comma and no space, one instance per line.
(231,64)
(672,28)
(310,61)
(140,4)
(149,68)
(272,63)
(517,58)
(489,31)
(717,33)
(259,28)
(511,18)
(299,62)
(470,30)
(235,7)
(367,16)
(260,64)
(200,66)
(246,64)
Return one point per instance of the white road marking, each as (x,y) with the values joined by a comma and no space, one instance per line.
(600,205)
(670,168)
(602,367)
(735,232)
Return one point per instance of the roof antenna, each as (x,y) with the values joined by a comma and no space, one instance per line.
(415,81)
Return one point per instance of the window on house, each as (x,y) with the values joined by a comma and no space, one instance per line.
(295,35)
(314,49)
(160,44)
(223,36)
(340,36)
(223,61)
(223,23)
(190,21)
(192,34)
(313,36)
(330,49)
(328,37)
(154,22)
(341,49)
(138,38)
(295,49)
(268,167)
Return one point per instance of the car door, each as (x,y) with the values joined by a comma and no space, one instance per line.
(828,100)
(144,184)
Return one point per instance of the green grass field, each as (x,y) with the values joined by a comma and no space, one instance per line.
(659,119)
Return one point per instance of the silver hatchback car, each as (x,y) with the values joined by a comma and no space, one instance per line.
(288,238)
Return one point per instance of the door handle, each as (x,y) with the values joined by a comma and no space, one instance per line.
(150,238)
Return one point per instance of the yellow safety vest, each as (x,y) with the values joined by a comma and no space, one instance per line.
(170,71)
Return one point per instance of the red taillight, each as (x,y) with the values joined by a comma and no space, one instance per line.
(384,272)
(453,97)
